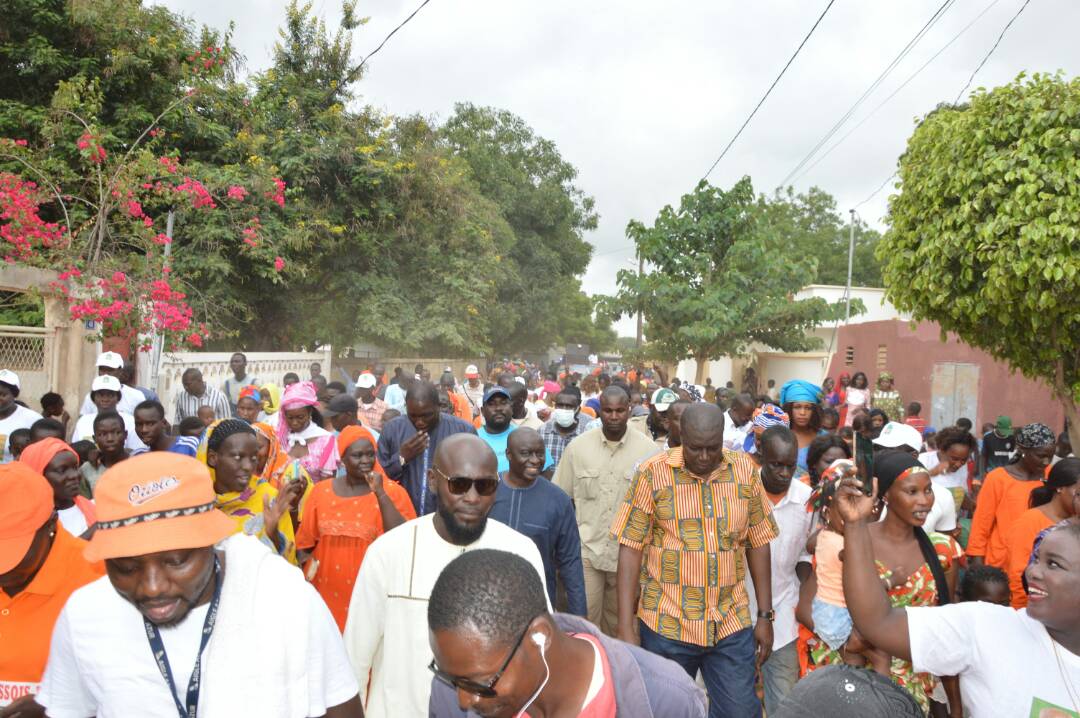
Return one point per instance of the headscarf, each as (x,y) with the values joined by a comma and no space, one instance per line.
(765,416)
(297,395)
(272,395)
(246,507)
(350,435)
(892,466)
(279,469)
(1035,436)
(799,390)
(250,391)
(885,375)
(830,480)
(38,455)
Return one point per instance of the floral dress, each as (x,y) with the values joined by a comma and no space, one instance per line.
(920,589)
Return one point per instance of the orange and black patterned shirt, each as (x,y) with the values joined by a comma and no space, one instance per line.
(693,533)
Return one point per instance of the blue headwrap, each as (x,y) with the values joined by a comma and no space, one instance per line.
(799,390)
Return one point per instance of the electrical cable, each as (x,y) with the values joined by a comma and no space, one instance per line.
(995,46)
(767,92)
(895,92)
(942,9)
(392,32)
(960,94)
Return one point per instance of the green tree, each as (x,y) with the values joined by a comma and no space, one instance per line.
(983,235)
(809,225)
(539,295)
(713,286)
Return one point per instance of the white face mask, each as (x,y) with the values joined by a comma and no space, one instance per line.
(564,417)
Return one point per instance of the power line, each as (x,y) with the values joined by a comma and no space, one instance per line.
(996,43)
(942,9)
(766,95)
(392,32)
(896,91)
(968,84)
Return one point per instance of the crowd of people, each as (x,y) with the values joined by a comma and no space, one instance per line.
(530,541)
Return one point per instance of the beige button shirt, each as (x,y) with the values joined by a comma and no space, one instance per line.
(596,474)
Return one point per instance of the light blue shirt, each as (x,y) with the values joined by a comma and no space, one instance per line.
(497,442)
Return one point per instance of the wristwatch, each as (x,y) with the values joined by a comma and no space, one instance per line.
(767,615)
(402,460)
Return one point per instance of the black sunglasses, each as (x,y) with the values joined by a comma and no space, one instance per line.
(461,484)
(484,690)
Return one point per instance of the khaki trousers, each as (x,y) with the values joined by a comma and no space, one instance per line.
(601,598)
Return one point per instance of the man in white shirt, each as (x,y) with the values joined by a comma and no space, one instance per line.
(386,631)
(737,422)
(12,416)
(196,598)
(112,364)
(105,395)
(788,557)
(240,378)
(473,389)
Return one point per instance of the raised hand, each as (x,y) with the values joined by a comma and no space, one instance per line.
(852,504)
(375,482)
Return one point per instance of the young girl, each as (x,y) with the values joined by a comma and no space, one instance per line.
(832,622)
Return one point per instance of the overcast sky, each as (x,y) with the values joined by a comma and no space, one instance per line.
(642,96)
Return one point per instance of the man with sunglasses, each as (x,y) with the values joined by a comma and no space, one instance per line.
(386,631)
(499,651)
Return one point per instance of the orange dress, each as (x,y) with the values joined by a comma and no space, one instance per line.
(1019,541)
(341,529)
(1001,502)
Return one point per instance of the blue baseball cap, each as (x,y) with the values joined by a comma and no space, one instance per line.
(495,391)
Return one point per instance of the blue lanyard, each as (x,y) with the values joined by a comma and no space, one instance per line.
(423,482)
(162,660)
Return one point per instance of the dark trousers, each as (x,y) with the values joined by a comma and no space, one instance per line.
(728,669)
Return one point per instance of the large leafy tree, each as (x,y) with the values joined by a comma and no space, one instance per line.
(809,225)
(532,186)
(714,286)
(983,235)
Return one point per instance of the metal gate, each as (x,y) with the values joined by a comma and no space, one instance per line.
(26,351)
(954,391)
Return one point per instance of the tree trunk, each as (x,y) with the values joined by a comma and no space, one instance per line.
(1068,401)
(702,369)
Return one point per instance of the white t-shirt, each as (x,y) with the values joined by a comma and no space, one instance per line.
(130,397)
(1004,658)
(100,663)
(84,429)
(950,480)
(21,418)
(73,520)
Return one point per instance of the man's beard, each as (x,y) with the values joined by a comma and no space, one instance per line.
(460,534)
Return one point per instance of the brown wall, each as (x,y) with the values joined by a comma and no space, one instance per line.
(910,354)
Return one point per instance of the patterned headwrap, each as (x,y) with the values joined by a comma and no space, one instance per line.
(886,375)
(830,480)
(251,392)
(764,416)
(1035,436)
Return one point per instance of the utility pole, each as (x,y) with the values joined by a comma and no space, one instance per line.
(640,272)
(850,260)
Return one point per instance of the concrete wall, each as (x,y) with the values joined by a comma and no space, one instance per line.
(913,355)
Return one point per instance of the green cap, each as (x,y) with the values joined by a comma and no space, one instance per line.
(663,398)
(1004,424)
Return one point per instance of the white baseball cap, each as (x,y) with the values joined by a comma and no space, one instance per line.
(105,382)
(366,381)
(9,377)
(471,372)
(110,360)
(894,435)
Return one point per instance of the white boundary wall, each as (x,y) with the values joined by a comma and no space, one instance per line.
(265,366)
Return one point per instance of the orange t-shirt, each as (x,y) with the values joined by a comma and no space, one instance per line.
(1001,502)
(27,619)
(462,410)
(1019,541)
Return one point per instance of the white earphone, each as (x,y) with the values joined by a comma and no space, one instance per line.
(539,639)
(541,642)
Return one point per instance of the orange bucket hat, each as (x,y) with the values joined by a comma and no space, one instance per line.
(26,503)
(158,501)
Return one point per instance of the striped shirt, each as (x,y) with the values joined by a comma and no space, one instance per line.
(555,441)
(370,415)
(693,534)
(188,405)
